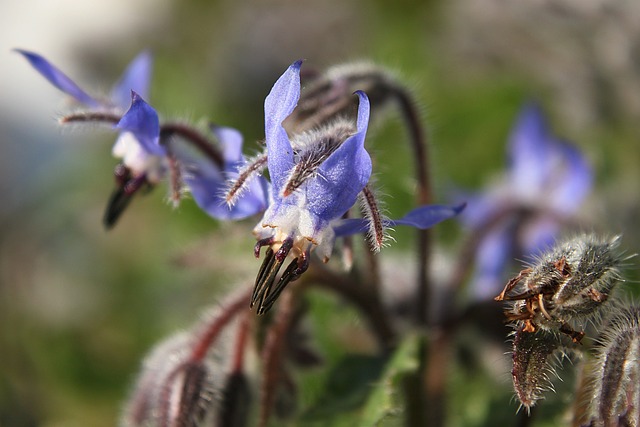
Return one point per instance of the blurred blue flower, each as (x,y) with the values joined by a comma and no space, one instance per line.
(546,181)
(204,179)
(134,154)
(146,158)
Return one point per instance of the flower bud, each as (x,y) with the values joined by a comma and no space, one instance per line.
(616,379)
(533,364)
(565,286)
(191,378)
(172,390)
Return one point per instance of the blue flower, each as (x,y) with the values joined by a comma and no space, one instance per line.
(316,178)
(137,76)
(546,181)
(304,201)
(205,180)
(150,150)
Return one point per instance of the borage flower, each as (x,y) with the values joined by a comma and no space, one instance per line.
(546,181)
(316,179)
(150,150)
(204,178)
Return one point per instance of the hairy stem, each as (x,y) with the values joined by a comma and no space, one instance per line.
(91,117)
(195,138)
(228,312)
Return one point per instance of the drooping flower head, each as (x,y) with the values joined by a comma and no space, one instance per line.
(204,178)
(546,181)
(150,150)
(316,178)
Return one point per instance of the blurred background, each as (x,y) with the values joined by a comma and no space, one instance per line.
(80,306)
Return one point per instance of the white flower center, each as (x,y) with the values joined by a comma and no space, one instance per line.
(134,157)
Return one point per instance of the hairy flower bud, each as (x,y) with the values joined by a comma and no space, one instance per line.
(533,364)
(564,286)
(172,390)
(188,379)
(616,379)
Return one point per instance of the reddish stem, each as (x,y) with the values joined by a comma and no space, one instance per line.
(216,326)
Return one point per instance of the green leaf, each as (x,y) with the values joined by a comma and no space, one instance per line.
(385,406)
(346,389)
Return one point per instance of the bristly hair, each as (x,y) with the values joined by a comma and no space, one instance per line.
(590,270)
(536,357)
(615,377)
(253,168)
(312,148)
(372,211)
(177,188)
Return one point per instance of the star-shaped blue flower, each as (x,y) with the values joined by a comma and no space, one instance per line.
(547,179)
(303,211)
(316,178)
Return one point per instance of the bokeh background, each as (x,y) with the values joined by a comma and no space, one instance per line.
(79,306)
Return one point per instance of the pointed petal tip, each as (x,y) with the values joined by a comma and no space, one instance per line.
(57,77)
(135,96)
(364,98)
(459,208)
(22,51)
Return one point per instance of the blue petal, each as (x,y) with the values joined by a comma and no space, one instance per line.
(142,120)
(492,255)
(207,185)
(529,150)
(422,217)
(58,78)
(231,141)
(137,78)
(427,216)
(538,235)
(480,207)
(343,175)
(347,227)
(570,188)
(278,105)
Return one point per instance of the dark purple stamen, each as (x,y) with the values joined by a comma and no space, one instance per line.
(263,295)
(126,188)
(122,174)
(274,293)
(263,242)
(284,249)
(303,264)
(134,184)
